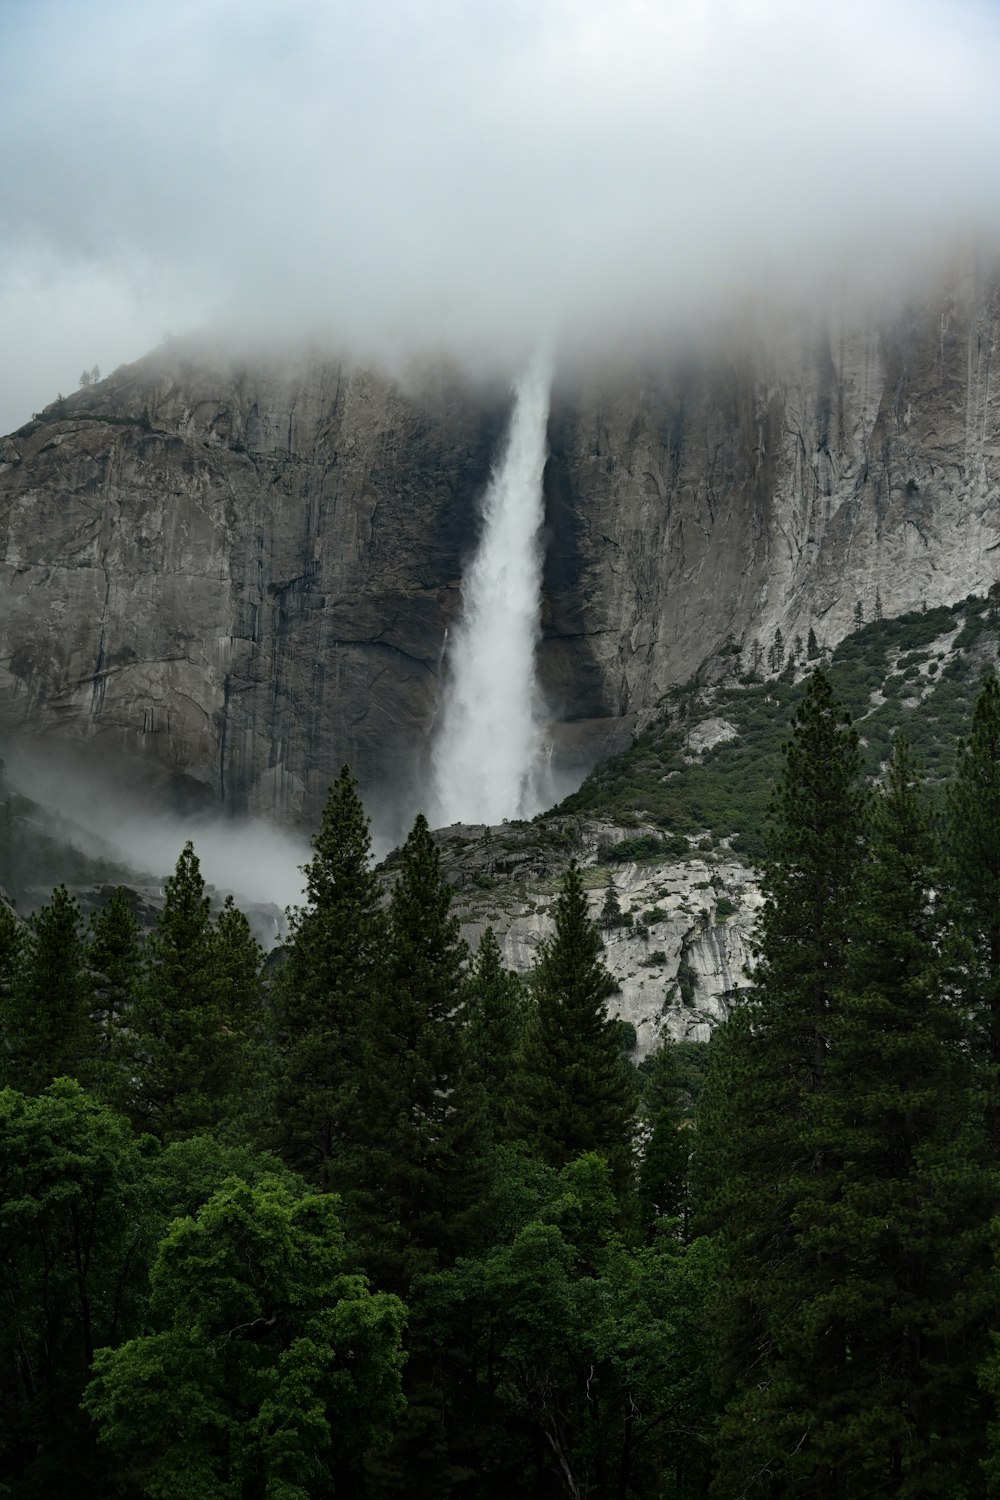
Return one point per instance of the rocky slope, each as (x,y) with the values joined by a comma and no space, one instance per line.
(678,950)
(240,573)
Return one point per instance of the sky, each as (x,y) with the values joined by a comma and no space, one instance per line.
(470,175)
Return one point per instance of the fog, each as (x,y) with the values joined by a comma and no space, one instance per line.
(121,818)
(451,176)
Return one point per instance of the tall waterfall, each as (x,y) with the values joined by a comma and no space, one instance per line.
(489,754)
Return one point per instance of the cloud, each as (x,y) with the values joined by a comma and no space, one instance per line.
(465,174)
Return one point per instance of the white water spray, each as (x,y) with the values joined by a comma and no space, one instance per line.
(489,756)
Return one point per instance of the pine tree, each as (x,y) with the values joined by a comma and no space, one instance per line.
(576,1090)
(770,1059)
(494,1021)
(11,943)
(47,1024)
(417,1139)
(893,1235)
(179,1054)
(666,1152)
(240,961)
(115,960)
(611,911)
(335,958)
(973,869)
(812,645)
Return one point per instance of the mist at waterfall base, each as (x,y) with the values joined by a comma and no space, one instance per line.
(489,751)
(99,811)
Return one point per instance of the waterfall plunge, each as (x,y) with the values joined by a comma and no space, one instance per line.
(489,755)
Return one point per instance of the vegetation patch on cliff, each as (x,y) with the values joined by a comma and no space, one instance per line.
(882,673)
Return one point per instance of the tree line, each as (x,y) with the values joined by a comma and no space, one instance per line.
(377,1217)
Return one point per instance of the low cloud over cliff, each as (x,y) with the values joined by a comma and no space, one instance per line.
(462,175)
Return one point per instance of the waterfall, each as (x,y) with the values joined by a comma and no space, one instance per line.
(489,755)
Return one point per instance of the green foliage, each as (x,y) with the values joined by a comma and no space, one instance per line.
(584,1363)
(495,1013)
(727,789)
(335,958)
(114,956)
(271,1369)
(186,1065)
(417,1141)
(576,1093)
(973,818)
(665,1156)
(46,1015)
(74,1238)
(566,1331)
(12,936)
(839,1153)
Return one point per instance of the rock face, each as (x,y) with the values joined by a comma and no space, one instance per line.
(680,948)
(241,574)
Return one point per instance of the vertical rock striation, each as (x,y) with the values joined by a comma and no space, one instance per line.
(240,574)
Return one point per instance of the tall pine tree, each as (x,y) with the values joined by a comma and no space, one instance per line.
(494,1021)
(576,1091)
(892,1235)
(417,1145)
(335,956)
(115,960)
(180,1053)
(755,1147)
(973,878)
(47,1024)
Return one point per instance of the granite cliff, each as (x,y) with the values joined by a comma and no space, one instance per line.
(238,574)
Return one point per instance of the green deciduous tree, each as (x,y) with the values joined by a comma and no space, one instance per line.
(74,1246)
(272,1369)
(583,1364)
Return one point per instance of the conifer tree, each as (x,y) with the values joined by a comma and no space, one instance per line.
(334,960)
(417,1138)
(611,911)
(662,1187)
(179,1053)
(115,959)
(240,961)
(576,1091)
(11,942)
(48,1029)
(770,1058)
(892,1236)
(973,869)
(494,1020)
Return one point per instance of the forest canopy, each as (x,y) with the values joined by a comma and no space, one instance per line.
(379,1217)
